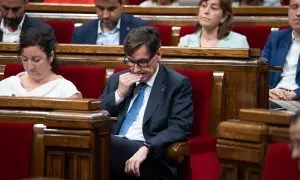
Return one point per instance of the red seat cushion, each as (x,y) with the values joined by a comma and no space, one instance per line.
(15,151)
(165,32)
(279,165)
(257,36)
(63,30)
(188,29)
(89,80)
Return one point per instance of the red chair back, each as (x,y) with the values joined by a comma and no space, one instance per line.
(201,87)
(134,2)
(257,36)
(165,32)
(188,29)
(284,27)
(89,80)
(70,1)
(15,151)
(63,30)
(279,165)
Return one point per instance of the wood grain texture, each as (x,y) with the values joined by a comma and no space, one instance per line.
(137,10)
(244,131)
(50,103)
(166,50)
(240,151)
(254,128)
(265,116)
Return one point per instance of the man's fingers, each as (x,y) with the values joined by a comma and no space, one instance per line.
(137,168)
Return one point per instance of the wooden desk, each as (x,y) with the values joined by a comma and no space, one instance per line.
(75,143)
(243,142)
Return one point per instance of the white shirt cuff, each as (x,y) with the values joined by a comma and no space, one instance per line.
(118,98)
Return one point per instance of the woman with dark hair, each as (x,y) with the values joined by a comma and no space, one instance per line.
(37,54)
(214,27)
(159,3)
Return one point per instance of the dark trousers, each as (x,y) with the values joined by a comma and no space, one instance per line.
(123,149)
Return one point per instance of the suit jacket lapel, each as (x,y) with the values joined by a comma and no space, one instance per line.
(284,47)
(1,35)
(92,38)
(26,24)
(124,28)
(157,92)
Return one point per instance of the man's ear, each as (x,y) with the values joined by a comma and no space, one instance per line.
(159,53)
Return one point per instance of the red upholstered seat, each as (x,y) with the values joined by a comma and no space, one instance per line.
(63,30)
(279,165)
(188,29)
(15,151)
(70,1)
(283,27)
(89,80)
(134,2)
(285,2)
(165,34)
(257,36)
(202,147)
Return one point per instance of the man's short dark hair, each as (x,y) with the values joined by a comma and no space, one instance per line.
(295,118)
(145,35)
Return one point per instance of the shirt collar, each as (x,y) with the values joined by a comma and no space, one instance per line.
(112,31)
(150,82)
(4,29)
(294,38)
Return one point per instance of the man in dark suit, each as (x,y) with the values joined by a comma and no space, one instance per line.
(283,49)
(13,20)
(153,104)
(110,28)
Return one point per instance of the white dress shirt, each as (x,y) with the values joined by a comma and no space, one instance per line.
(11,37)
(288,76)
(108,38)
(135,131)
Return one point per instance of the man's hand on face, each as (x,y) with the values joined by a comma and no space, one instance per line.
(132,165)
(125,81)
(282,94)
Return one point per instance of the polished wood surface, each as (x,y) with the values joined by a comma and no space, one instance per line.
(243,143)
(137,10)
(73,142)
(245,76)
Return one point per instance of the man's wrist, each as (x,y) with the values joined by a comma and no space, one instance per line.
(147,144)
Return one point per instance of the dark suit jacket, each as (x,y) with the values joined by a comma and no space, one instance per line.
(275,51)
(30,22)
(169,113)
(87,33)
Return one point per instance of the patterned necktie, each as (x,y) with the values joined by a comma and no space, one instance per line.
(134,110)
